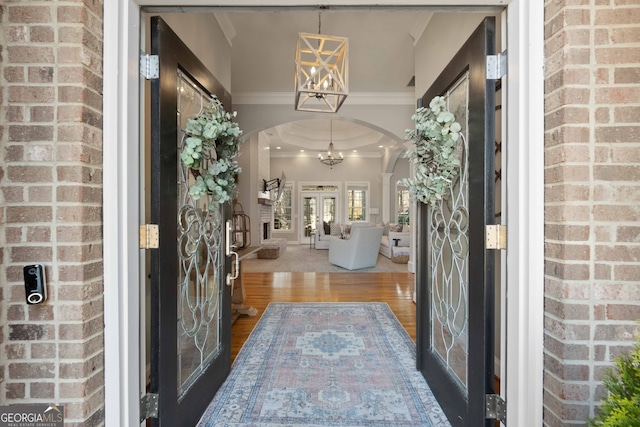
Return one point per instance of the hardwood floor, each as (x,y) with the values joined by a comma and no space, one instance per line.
(396,289)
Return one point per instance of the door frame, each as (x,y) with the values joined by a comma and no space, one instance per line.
(523,161)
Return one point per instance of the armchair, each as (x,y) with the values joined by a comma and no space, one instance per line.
(359,251)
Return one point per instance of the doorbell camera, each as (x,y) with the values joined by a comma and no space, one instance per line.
(34,284)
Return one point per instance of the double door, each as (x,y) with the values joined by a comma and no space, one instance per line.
(317,208)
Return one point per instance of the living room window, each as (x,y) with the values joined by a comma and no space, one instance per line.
(403,204)
(357,195)
(282,210)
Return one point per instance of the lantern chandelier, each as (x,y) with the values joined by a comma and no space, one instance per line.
(330,160)
(322,72)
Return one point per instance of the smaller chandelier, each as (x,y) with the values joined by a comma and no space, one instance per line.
(322,72)
(330,160)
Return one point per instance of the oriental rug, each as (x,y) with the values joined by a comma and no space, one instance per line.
(325,364)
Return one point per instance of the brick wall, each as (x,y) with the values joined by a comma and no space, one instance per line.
(592,198)
(50,204)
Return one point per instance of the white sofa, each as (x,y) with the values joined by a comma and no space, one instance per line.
(387,241)
(360,250)
(323,239)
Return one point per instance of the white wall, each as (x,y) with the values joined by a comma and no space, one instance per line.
(201,32)
(309,169)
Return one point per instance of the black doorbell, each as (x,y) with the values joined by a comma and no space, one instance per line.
(34,284)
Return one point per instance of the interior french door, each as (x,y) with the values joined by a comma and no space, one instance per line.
(190,302)
(454,272)
(317,207)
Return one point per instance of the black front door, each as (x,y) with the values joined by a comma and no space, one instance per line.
(190,302)
(455,273)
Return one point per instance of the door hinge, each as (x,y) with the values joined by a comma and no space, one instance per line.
(149,406)
(496,65)
(149,236)
(149,66)
(495,408)
(496,236)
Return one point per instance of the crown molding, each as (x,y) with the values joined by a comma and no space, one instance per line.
(361,98)
(226,26)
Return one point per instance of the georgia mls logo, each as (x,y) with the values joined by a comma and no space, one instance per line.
(32,416)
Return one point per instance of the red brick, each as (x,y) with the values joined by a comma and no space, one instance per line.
(613,213)
(72,14)
(609,332)
(15,391)
(566,330)
(625,35)
(30,173)
(42,34)
(627,272)
(15,113)
(26,214)
(29,14)
(567,252)
(41,75)
(31,370)
(15,351)
(567,173)
(16,33)
(14,194)
(617,16)
(627,75)
(44,350)
(78,194)
(567,134)
(603,272)
(42,114)
(623,311)
(618,253)
(87,271)
(621,55)
(627,114)
(84,214)
(30,54)
(616,173)
(42,390)
(566,232)
(617,95)
(28,254)
(40,194)
(31,94)
(39,234)
(19,133)
(629,233)
(567,271)
(567,213)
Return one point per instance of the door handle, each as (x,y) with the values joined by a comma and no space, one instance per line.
(229,249)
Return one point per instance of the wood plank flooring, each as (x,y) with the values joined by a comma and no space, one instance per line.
(396,289)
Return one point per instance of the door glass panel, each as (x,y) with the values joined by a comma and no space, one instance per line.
(449,239)
(329,209)
(200,258)
(309,214)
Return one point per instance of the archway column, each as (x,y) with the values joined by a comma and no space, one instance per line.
(386,196)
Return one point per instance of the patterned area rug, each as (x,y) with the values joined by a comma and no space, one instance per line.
(325,364)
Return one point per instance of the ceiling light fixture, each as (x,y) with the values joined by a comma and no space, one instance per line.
(330,160)
(322,72)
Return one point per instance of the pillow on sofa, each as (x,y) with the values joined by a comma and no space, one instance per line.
(385,231)
(406,228)
(336,230)
(396,228)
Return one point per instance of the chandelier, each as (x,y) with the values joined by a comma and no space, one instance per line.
(330,160)
(322,72)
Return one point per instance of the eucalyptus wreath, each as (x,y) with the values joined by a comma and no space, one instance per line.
(212,141)
(432,147)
